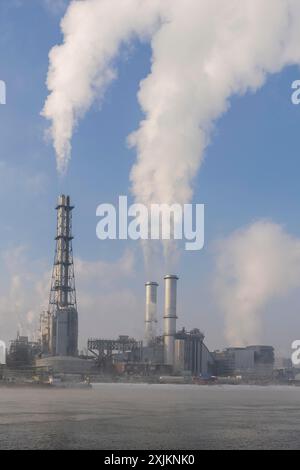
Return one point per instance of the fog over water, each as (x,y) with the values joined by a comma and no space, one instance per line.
(130,416)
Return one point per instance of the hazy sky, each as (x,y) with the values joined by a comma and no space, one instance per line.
(250,172)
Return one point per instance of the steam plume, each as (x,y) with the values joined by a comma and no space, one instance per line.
(203,52)
(254,266)
(81,68)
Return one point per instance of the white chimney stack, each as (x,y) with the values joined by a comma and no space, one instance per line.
(170,318)
(151,312)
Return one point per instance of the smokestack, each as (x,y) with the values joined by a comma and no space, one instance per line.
(151,312)
(61,328)
(170,318)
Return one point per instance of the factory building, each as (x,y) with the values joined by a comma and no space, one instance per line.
(191,354)
(264,359)
(175,352)
(108,352)
(249,362)
(22,352)
(182,352)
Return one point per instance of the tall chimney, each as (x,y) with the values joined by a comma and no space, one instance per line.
(61,326)
(170,318)
(151,312)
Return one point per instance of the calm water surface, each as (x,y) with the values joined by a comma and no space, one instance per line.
(125,416)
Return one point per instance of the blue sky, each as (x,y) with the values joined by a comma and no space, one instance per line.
(251,171)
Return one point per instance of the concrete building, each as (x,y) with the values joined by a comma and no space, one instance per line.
(264,359)
(253,362)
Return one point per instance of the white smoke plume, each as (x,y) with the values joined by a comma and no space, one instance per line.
(203,52)
(255,265)
(24,289)
(82,67)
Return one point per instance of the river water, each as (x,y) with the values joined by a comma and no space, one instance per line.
(167,417)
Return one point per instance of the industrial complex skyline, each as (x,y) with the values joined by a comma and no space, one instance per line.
(249,187)
(150,227)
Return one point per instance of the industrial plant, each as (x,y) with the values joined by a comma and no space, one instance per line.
(176,356)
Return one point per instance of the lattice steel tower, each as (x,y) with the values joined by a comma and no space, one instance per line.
(62,312)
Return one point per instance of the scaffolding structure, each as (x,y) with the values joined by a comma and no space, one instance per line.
(124,349)
(59,325)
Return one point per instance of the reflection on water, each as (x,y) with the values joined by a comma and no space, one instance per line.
(123,416)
